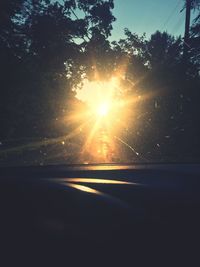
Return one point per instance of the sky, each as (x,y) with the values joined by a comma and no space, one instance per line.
(147,16)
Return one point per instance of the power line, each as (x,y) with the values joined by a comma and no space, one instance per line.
(178,25)
(171,14)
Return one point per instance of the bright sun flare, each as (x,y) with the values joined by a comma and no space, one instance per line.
(104,115)
(103,109)
(99,96)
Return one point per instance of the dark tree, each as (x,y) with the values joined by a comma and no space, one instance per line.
(42,47)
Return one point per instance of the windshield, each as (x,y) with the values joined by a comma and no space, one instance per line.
(99,81)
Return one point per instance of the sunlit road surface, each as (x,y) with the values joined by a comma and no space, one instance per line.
(102,149)
(107,148)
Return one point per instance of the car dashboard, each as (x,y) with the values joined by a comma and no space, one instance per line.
(100,215)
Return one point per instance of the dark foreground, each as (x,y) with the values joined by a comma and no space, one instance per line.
(49,217)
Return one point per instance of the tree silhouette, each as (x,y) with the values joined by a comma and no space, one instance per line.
(47,47)
(43,58)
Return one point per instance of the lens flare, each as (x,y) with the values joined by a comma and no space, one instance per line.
(109,107)
(103,109)
(102,100)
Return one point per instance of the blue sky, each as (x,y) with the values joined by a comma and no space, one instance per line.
(148,16)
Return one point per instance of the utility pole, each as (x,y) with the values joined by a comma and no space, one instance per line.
(187,30)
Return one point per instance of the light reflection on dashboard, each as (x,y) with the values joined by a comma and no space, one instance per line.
(95,181)
(84,188)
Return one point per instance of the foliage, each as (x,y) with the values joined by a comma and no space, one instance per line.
(47,47)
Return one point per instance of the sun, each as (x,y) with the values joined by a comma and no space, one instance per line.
(103,112)
(103,109)
(107,107)
(99,97)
